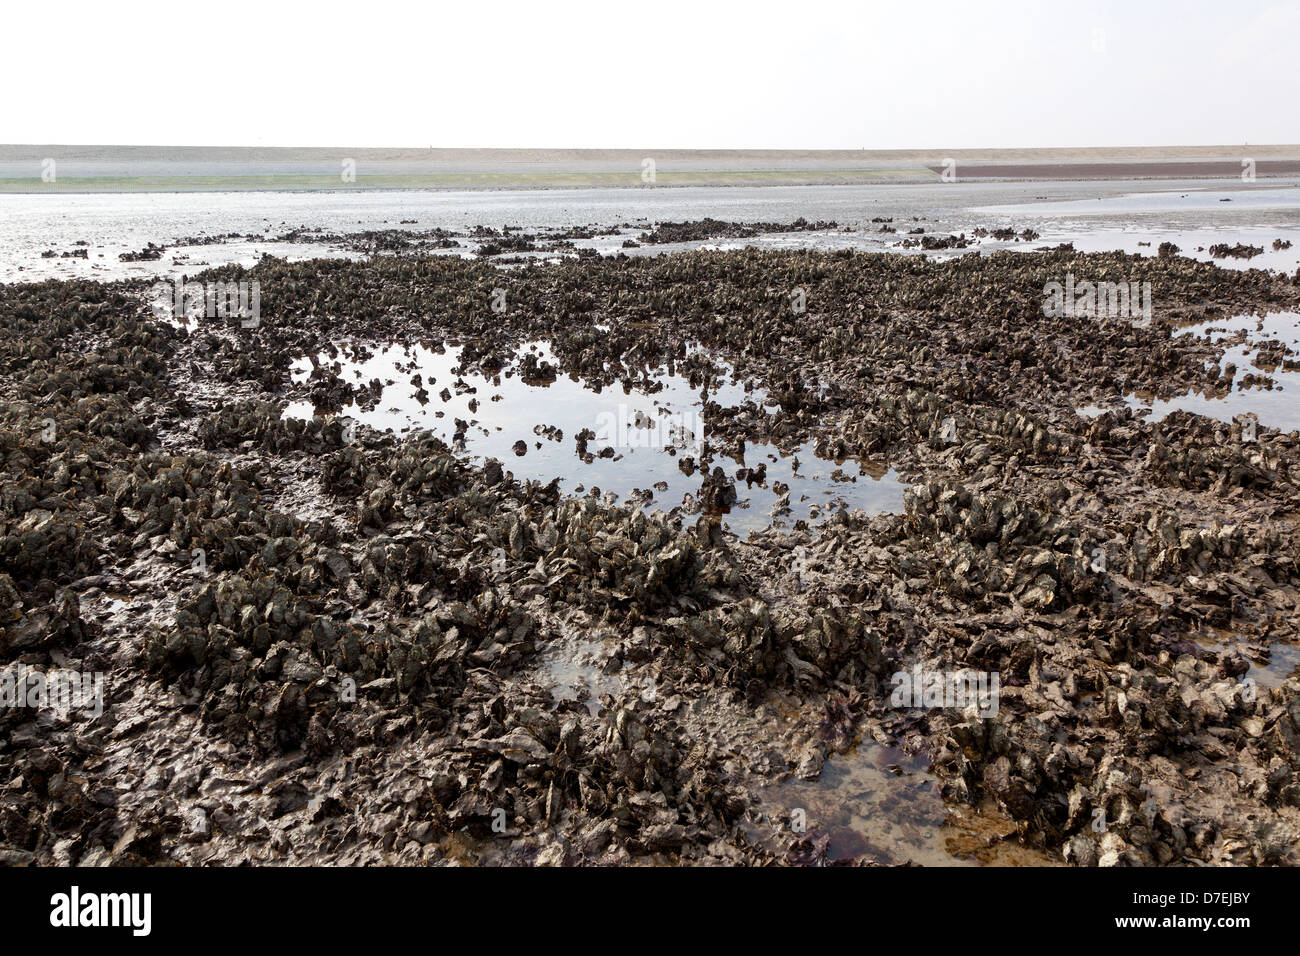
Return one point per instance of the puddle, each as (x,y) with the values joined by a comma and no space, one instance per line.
(1276,407)
(882,804)
(1283,661)
(574,667)
(1271,662)
(1192,244)
(871,801)
(647,431)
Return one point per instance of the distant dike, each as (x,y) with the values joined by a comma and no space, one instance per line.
(53,168)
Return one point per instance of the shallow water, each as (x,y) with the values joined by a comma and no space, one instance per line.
(1277,407)
(1283,662)
(872,801)
(1200,198)
(1193,243)
(878,802)
(115,223)
(574,667)
(1193,216)
(644,462)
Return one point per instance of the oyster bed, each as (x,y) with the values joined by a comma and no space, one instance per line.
(549,678)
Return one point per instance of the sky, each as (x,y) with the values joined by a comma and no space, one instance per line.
(798,74)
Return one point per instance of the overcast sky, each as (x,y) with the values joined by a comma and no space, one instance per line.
(659,73)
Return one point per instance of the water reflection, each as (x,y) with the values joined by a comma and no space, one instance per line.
(637,439)
(1262,347)
(879,803)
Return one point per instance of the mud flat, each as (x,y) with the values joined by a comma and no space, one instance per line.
(327,642)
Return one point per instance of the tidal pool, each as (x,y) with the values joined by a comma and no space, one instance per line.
(1276,407)
(642,435)
(1283,662)
(880,803)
